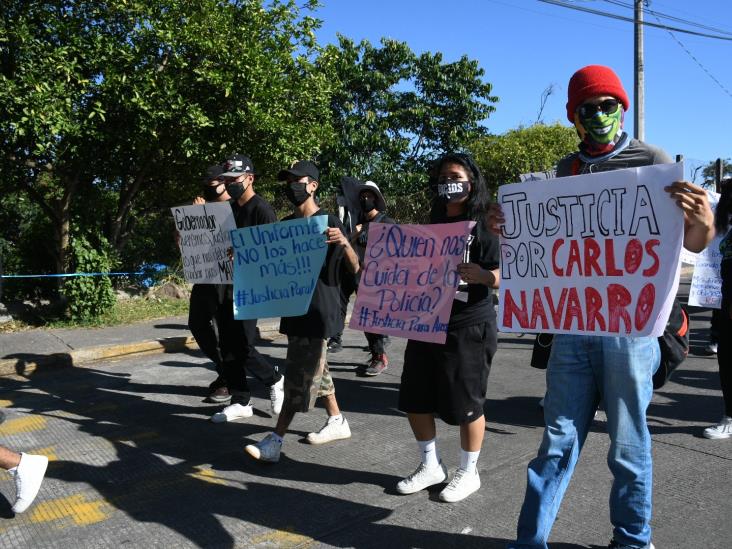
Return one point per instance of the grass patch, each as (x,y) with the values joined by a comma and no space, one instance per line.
(125,311)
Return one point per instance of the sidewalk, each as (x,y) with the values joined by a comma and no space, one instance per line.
(23,352)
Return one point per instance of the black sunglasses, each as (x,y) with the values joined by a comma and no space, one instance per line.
(588,110)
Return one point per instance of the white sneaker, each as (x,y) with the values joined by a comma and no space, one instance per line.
(267,449)
(332,430)
(28,478)
(233,412)
(422,478)
(711,349)
(722,430)
(461,486)
(277,396)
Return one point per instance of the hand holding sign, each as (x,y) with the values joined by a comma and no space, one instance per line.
(409,279)
(591,254)
(276,267)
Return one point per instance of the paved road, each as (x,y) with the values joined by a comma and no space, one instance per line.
(135,463)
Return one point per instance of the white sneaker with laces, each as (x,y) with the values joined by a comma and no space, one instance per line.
(422,478)
(28,478)
(277,396)
(267,449)
(332,430)
(461,486)
(233,412)
(721,430)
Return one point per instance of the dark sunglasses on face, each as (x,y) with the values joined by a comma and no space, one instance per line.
(588,110)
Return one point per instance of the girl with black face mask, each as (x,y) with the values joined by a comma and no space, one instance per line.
(450,379)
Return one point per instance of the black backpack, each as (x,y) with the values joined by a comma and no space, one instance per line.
(674,345)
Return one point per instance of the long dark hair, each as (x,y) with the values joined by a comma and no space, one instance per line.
(724,208)
(479,197)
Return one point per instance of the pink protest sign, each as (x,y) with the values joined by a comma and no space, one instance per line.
(409,279)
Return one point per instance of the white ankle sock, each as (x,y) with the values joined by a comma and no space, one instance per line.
(430,457)
(468,460)
(336,419)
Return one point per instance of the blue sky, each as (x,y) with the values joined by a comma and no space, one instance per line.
(524,46)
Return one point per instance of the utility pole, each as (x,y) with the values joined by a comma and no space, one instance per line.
(639,81)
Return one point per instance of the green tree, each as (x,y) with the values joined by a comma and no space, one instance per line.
(537,148)
(110,110)
(393,110)
(710,170)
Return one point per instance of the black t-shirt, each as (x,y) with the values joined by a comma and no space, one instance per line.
(473,302)
(323,319)
(255,211)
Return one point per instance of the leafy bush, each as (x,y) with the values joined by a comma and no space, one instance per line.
(88,297)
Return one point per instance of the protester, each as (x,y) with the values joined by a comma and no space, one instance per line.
(584,369)
(204,301)
(450,379)
(348,213)
(238,336)
(724,319)
(373,210)
(28,471)
(307,377)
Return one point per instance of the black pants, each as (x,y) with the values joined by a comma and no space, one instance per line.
(377,342)
(348,286)
(237,338)
(714,328)
(202,312)
(724,357)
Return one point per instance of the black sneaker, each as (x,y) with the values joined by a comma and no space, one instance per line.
(334,345)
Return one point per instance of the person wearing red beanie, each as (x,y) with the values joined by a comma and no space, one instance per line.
(585,370)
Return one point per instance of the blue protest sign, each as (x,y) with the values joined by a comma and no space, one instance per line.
(276,267)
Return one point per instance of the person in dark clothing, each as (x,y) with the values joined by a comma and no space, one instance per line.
(348,213)
(373,210)
(306,376)
(237,337)
(724,319)
(450,379)
(204,302)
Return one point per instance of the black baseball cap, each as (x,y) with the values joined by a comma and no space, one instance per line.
(212,173)
(300,169)
(237,165)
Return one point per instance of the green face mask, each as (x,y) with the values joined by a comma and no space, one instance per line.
(603,128)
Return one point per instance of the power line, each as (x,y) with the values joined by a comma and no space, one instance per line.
(630,19)
(702,67)
(658,15)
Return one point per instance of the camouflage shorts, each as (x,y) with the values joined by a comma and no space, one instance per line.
(307,377)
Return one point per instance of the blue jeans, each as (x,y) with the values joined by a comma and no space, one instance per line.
(582,371)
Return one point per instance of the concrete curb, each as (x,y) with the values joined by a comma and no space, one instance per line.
(80,358)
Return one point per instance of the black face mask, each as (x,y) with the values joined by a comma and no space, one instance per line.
(450,190)
(296,193)
(367,204)
(211,193)
(235,190)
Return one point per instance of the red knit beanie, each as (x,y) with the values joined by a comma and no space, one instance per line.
(592,81)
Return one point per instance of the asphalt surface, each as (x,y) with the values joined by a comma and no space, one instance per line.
(135,462)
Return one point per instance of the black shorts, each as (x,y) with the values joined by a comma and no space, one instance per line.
(449,380)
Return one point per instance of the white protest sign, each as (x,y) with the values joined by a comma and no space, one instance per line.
(594,254)
(204,241)
(706,284)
